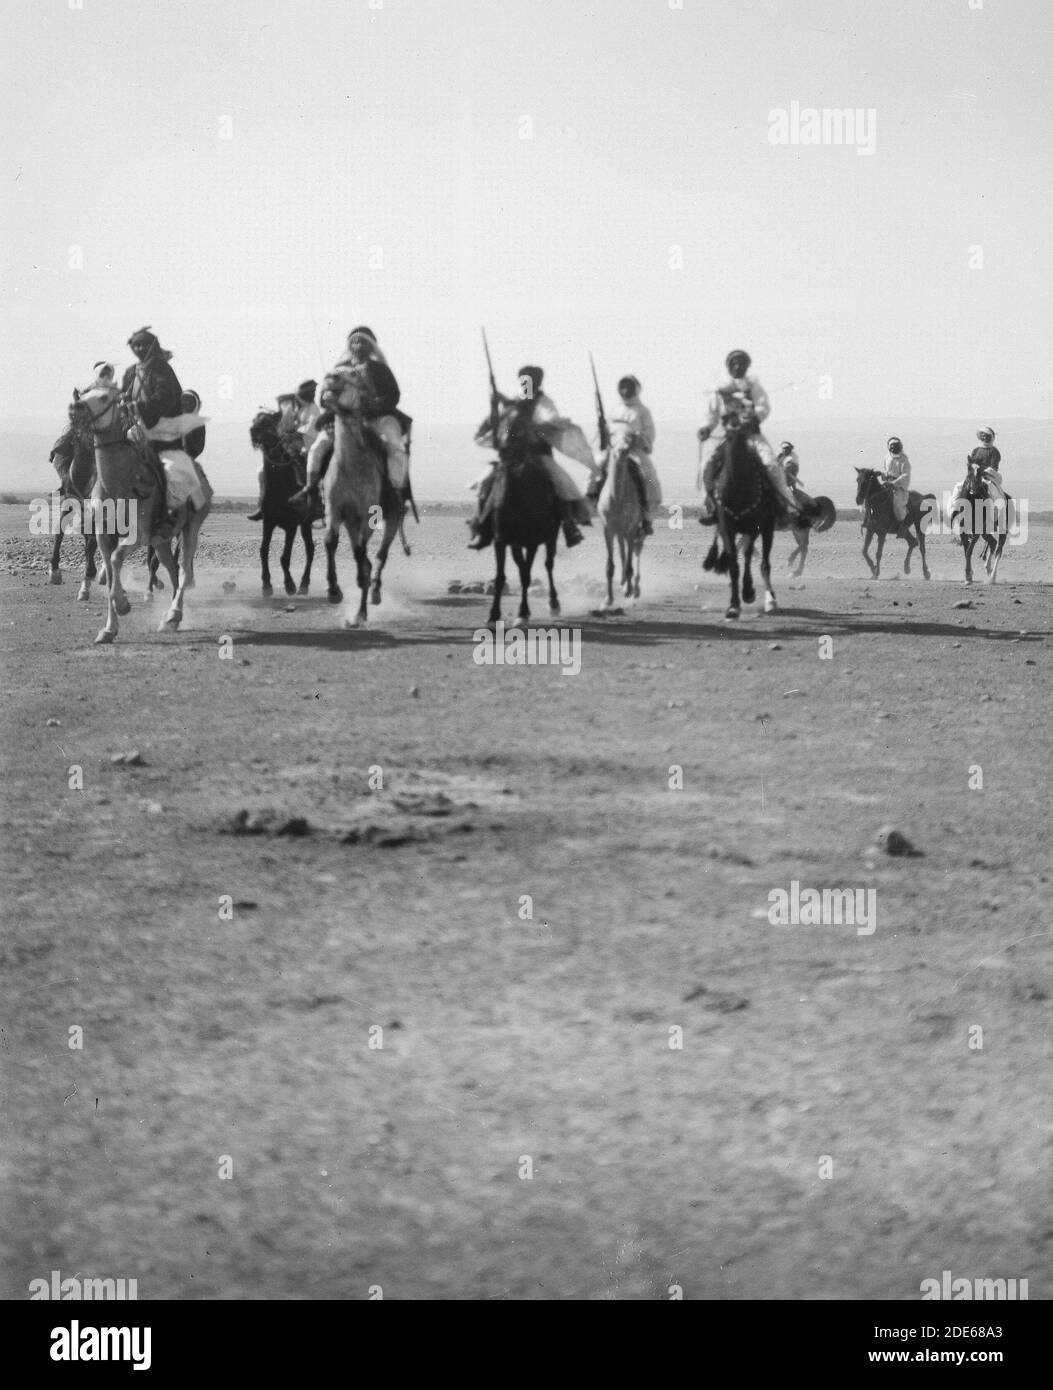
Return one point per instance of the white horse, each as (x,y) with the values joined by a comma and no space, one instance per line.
(621,512)
(128,501)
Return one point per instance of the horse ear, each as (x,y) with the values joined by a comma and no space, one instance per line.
(76,394)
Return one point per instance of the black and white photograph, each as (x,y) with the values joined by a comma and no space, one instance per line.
(526,560)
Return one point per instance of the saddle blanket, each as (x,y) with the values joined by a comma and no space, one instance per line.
(186,480)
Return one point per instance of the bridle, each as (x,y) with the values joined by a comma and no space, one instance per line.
(732,431)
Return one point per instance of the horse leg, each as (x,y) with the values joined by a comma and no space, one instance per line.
(625,544)
(731,551)
(308,545)
(500,548)
(113,553)
(749,593)
(90,547)
(524,563)
(967,550)
(920,529)
(265,557)
(868,536)
(802,550)
(550,560)
(334,593)
(767,537)
(880,551)
(638,550)
(391,530)
(288,582)
(360,550)
(610,566)
(177,575)
(56,550)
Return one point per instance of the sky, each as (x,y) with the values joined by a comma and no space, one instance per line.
(254,179)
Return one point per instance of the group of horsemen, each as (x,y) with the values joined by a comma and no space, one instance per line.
(167,420)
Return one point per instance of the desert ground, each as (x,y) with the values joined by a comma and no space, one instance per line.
(529,911)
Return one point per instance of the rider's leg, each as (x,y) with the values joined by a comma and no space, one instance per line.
(709,481)
(261,484)
(481,524)
(637,470)
(318,456)
(899,511)
(570,500)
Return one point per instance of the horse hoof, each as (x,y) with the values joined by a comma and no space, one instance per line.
(290,587)
(56,577)
(268,591)
(83,594)
(554,609)
(374,596)
(158,585)
(148,597)
(770,606)
(123,607)
(104,638)
(335,596)
(732,613)
(355,622)
(171,622)
(517,623)
(303,589)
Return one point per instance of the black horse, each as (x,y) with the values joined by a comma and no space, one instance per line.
(76,483)
(526,515)
(879,518)
(975,514)
(285,474)
(746,505)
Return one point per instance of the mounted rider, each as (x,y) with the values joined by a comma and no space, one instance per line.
(639,424)
(297,431)
(365,362)
(530,422)
(986,460)
(742,395)
(156,398)
(897,477)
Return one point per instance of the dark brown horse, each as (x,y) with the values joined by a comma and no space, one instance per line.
(285,474)
(746,506)
(879,518)
(526,516)
(975,514)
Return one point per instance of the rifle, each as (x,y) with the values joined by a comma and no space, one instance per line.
(493,392)
(605,434)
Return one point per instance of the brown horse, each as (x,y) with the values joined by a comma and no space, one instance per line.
(526,515)
(285,475)
(879,518)
(746,506)
(128,502)
(358,495)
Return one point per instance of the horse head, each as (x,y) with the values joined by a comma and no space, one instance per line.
(622,439)
(344,393)
(264,429)
(96,409)
(866,480)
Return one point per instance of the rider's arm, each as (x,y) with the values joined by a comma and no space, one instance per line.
(761,404)
(645,431)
